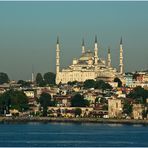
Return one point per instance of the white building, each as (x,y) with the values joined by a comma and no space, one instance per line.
(29,93)
(114,107)
(88,66)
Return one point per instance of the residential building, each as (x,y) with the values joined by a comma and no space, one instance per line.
(115,107)
(137,111)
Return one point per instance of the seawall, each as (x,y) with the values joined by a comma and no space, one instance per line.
(72,120)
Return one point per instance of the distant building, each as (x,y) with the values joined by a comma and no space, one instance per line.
(114,107)
(145,78)
(129,80)
(137,111)
(88,66)
(29,93)
(69,111)
(141,76)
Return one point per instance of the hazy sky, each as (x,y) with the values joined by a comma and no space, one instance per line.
(28,32)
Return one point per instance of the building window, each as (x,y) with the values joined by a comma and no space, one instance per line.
(116,105)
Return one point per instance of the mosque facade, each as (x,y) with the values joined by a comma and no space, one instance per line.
(88,66)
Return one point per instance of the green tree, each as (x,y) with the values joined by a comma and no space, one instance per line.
(1,106)
(3,78)
(139,94)
(14,99)
(24,83)
(45,101)
(144,113)
(118,81)
(105,107)
(102,85)
(79,101)
(103,100)
(90,83)
(39,80)
(78,112)
(49,78)
(72,83)
(127,108)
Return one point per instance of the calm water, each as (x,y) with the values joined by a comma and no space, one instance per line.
(69,134)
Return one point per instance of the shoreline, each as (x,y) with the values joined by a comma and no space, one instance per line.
(71,120)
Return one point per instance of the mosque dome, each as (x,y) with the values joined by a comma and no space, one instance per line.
(87,56)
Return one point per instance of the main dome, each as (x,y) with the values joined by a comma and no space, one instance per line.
(87,56)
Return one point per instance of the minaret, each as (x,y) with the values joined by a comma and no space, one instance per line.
(83,47)
(121,57)
(57,56)
(96,51)
(108,58)
(32,75)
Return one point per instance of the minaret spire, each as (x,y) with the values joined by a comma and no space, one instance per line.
(83,46)
(57,56)
(121,40)
(32,75)
(96,51)
(57,39)
(121,57)
(108,58)
(95,38)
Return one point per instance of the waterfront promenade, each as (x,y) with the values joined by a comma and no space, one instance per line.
(74,120)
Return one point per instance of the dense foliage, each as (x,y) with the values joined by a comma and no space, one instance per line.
(79,101)
(77,112)
(45,101)
(90,83)
(127,107)
(3,78)
(49,78)
(24,83)
(100,84)
(39,80)
(139,94)
(13,99)
(72,83)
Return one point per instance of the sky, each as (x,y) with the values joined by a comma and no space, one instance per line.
(28,32)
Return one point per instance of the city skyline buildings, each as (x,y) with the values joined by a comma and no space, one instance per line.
(29,31)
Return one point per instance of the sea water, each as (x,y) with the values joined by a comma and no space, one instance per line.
(35,134)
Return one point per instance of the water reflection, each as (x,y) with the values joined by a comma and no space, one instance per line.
(115,125)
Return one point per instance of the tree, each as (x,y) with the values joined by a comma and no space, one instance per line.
(24,83)
(1,106)
(139,94)
(78,112)
(90,83)
(49,78)
(79,101)
(14,99)
(45,101)
(72,83)
(103,100)
(39,80)
(127,108)
(144,113)
(102,85)
(118,81)
(4,78)
(105,107)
